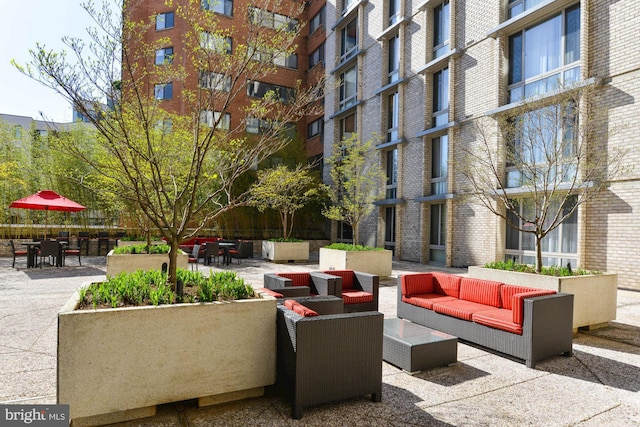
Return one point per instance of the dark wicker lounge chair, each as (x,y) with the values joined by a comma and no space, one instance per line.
(358,290)
(329,357)
(294,284)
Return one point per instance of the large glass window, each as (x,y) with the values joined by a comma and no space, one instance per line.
(164,20)
(439,164)
(273,20)
(260,89)
(559,247)
(349,40)
(438,233)
(440,98)
(393,116)
(224,7)
(392,174)
(545,56)
(348,88)
(441,29)
(393,54)
(347,126)
(163,91)
(164,56)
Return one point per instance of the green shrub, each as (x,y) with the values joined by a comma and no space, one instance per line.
(150,287)
(350,247)
(290,239)
(141,249)
(511,265)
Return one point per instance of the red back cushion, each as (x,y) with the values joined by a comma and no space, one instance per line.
(508,291)
(446,284)
(480,291)
(416,284)
(347,277)
(298,279)
(299,308)
(518,303)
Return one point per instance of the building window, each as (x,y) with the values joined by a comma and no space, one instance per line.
(284,60)
(348,89)
(516,7)
(164,56)
(347,126)
(277,21)
(345,232)
(438,233)
(346,5)
(393,116)
(215,119)
(393,54)
(394,11)
(441,29)
(541,147)
(349,40)
(317,56)
(164,127)
(440,98)
(224,7)
(391,190)
(216,43)
(260,126)
(260,90)
(164,91)
(315,128)
(439,163)
(545,56)
(17,132)
(390,227)
(559,247)
(164,20)
(214,81)
(317,21)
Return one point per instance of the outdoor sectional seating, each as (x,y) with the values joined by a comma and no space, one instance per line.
(324,356)
(527,323)
(358,290)
(300,284)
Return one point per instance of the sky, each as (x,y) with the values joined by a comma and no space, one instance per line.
(26,22)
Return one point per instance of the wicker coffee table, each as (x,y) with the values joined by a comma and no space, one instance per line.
(413,347)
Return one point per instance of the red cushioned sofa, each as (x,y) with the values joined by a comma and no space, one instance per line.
(527,323)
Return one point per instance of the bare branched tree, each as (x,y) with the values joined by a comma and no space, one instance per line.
(177,166)
(536,164)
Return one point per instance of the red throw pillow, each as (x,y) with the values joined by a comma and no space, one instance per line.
(299,308)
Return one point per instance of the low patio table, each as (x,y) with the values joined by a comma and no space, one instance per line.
(413,347)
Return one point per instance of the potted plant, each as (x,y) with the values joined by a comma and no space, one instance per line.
(141,257)
(356,184)
(132,343)
(595,293)
(286,191)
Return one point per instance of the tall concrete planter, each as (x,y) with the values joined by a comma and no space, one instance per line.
(373,262)
(118,364)
(595,296)
(132,262)
(285,251)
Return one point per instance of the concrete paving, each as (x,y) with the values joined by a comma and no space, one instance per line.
(598,385)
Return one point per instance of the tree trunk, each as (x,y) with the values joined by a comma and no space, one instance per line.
(173,262)
(538,254)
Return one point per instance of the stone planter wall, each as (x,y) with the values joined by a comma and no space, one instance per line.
(285,251)
(117,364)
(373,262)
(132,262)
(595,296)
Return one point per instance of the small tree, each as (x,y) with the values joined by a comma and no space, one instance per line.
(286,191)
(555,155)
(357,181)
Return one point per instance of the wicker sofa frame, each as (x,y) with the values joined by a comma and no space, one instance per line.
(319,283)
(546,329)
(329,357)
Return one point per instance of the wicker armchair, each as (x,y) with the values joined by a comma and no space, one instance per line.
(293,284)
(329,357)
(358,290)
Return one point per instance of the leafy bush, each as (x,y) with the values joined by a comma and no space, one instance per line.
(290,239)
(150,287)
(511,265)
(350,247)
(141,249)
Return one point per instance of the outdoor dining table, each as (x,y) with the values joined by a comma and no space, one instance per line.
(32,253)
(225,246)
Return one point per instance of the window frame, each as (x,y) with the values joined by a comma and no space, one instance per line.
(347,52)
(346,98)
(161,21)
(439,164)
(166,58)
(441,48)
(440,98)
(160,91)
(222,7)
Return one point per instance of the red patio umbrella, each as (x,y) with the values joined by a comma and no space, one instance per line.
(47,200)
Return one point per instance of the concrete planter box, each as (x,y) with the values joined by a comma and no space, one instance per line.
(373,262)
(116,365)
(132,262)
(285,251)
(140,242)
(595,296)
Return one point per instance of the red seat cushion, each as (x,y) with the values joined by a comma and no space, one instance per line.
(346,275)
(21,252)
(498,318)
(299,308)
(426,300)
(298,279)
(271,292)
(416,284)
(480,291)
(446,284)
(354,296)
(460,308)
